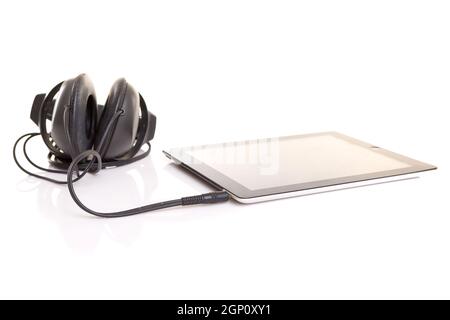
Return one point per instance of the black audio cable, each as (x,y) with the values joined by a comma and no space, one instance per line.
(94,165)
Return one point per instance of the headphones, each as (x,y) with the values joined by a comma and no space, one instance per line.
(117,130)
(87,137)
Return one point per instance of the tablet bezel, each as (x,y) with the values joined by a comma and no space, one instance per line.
(238,190)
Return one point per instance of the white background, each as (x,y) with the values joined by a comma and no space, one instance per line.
(231,70)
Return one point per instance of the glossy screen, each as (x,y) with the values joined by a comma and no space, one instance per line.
(272,163)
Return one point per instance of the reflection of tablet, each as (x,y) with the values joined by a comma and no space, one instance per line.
(266,169)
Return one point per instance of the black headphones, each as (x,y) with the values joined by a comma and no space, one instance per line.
(88,137)
(117,130)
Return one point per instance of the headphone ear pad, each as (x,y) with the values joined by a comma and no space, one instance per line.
(121,136)
(75,116)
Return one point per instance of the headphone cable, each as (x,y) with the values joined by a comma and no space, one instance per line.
(206,198)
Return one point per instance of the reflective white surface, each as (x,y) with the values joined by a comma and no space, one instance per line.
(233,71)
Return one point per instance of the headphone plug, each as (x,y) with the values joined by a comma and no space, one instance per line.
(212,197)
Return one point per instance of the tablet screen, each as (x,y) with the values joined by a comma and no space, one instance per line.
(269,163)
(261,167)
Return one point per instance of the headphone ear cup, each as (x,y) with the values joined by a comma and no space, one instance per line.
(122,135)
(75,116)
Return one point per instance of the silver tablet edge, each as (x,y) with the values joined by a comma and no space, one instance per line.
(344,186)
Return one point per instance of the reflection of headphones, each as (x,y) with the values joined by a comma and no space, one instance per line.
(87,136)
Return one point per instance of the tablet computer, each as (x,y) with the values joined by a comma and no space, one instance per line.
(273,168)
